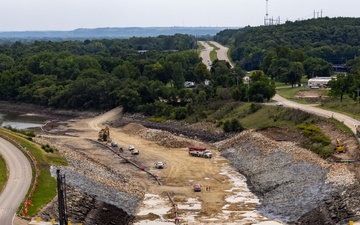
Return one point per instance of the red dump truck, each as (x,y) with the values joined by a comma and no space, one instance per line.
(199,152)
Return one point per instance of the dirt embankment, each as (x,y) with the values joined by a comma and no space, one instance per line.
(44,111)
(295,185)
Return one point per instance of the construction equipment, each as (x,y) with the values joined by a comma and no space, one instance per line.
(159,165)
(340,148)
(133,150)
(104,134)
(199,152)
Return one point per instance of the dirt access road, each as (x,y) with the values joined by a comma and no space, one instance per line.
(180,174)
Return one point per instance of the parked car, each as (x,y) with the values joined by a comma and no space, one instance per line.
(279,104)
(197,188)
(159,165)
(114,144)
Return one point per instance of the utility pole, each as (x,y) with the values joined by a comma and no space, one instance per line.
(61,188)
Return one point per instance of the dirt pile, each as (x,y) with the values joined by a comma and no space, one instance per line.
(165,138)
(206,132)
(292,181)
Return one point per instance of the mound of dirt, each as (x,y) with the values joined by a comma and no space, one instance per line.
(164,138)
(132,128)
(312,96)
(206,132)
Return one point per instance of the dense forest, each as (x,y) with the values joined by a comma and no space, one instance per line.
(335,40)
(289,51)
(147,74)
(141,74)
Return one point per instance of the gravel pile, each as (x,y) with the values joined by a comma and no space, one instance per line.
(206,132)
(120,199)
(101,185)
(93,169)
(164,138)
(291,181)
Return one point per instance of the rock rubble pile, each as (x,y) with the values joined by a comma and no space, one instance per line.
(291,181)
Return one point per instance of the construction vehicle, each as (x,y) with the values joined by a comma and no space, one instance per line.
(104,134)
(340,148)
(133,150)
(197,187)
(199,152)
(114,144)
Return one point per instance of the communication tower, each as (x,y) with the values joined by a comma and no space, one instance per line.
(270,21)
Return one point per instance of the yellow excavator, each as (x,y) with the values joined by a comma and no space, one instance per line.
(340,148)
(104,134)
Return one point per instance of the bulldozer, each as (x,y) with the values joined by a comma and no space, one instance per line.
(340,148)
(104,134)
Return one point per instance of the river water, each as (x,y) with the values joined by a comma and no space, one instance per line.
(22,121)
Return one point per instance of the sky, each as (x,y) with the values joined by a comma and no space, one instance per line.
(43,15)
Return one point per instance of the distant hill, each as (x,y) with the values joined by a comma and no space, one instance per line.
(98,33)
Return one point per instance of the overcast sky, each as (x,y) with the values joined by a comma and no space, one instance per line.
(25,15)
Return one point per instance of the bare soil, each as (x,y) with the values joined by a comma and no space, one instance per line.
(312,96)
(182,170)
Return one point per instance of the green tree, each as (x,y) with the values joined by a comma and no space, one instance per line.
(317,67)
(201,72)
(340,85)
(261,88)
(6,62)
(178,75)
(295,73)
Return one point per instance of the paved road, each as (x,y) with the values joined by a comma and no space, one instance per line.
(205,54)
(18,184)
(222,52)
(348,121)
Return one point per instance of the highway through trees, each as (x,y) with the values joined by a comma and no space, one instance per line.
(221,53)
(19,180)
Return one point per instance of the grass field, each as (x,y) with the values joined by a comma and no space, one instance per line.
(3,173)
(46,189)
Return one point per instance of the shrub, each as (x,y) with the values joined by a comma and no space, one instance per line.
(232,125)
(47,148)
(255,107)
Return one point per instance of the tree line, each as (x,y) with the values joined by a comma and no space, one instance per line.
(141,74)
(289,51)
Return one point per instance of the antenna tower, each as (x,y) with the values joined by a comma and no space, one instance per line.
(270,21)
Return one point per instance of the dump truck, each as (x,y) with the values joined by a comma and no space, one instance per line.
(199,151)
